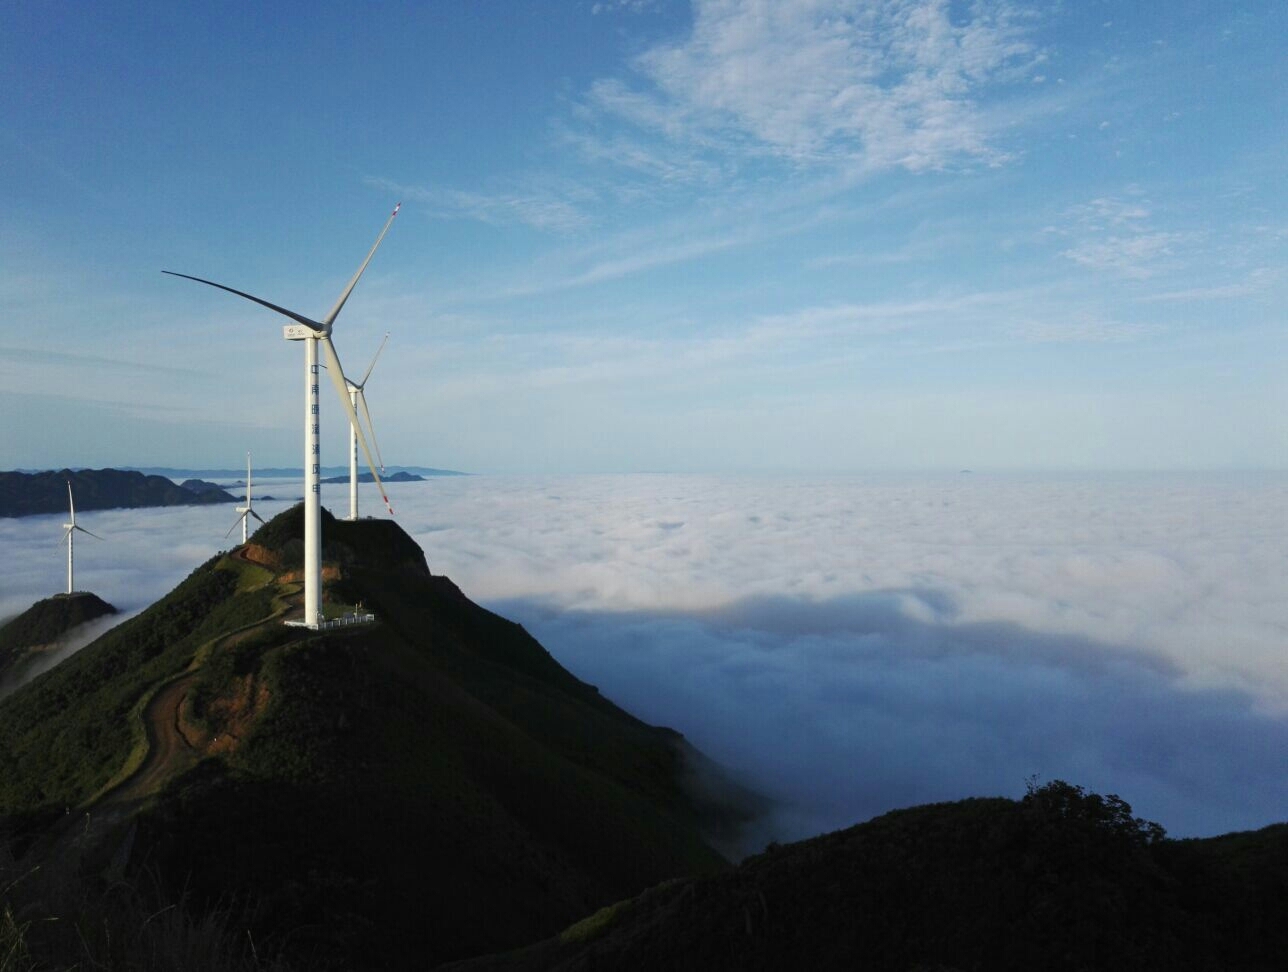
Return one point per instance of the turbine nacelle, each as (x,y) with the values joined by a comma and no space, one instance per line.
(302,332)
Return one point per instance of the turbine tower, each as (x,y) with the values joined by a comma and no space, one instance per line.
(68,538)
(313,333)
(357,397)
(246,511)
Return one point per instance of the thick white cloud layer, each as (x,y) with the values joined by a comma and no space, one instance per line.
(853,644)
(1190,568)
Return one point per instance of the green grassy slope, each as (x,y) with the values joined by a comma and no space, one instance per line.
(63,736)
(1060,880)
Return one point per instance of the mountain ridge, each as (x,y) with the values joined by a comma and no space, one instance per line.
(1059,880)
(430,786)
(30,494)
(281,472)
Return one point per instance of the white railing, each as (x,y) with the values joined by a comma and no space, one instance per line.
(344,621)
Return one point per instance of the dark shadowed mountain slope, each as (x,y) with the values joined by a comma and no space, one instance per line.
(25,494)
(1060,880)
(43,624)
(430,786)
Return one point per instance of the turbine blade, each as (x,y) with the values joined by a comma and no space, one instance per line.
(363,383)
(71,503)
(299,318)
(257,516)
(234,526)
(342,389)
(335,311)
(83,530)
(66,533)
(366,414)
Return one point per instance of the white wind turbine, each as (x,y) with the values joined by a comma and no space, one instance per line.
(246,511)
(68,539)
(313,333)
(357,396)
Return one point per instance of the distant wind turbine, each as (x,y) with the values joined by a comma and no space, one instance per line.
(246,511)
(68,539)
(357,396)
(313,333)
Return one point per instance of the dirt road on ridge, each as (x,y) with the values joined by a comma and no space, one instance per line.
(166,742)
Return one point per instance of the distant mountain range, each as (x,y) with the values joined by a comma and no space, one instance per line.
(284,472)
(366,477)
(27,494)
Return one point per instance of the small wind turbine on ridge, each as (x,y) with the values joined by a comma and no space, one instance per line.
(245,511)
(314,333)
(68,539)
(357,396)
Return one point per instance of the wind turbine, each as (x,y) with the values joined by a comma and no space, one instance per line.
(67,537)
(245,511)
(313,333)
(358,397)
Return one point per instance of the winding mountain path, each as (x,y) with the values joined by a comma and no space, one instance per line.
(166,741)
(168,749)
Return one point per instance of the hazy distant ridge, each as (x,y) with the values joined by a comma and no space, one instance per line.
(282,472)
(27,494)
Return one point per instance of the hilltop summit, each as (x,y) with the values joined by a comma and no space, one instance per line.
(427,787)
(46,623)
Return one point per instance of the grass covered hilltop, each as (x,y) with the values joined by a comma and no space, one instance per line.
(203,788)
(45,623)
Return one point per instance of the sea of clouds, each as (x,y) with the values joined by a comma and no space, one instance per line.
(851,644)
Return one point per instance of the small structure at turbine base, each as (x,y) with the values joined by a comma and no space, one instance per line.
(343,621)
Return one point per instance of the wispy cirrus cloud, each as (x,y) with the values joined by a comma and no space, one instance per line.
(539,208)
(873,86)
(43,356)
(1120,235)
(1257,282)
(622,6)
(1137,255)
(806,343)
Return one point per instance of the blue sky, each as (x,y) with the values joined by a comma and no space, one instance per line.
(652,236)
